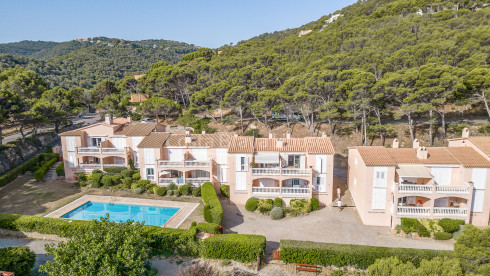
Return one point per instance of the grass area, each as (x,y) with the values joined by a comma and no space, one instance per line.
(26,196)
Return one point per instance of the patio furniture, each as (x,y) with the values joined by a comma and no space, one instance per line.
(308,268)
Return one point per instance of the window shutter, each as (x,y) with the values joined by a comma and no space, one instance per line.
(238,163)
(302,163)
(477,202)
(72,160)
(246,163)
(379,198)
(149,156)
(442,176)
(70,143)
(479,178)
(221,156)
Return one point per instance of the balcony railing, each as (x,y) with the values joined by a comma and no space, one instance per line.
(88,150)
(288,190)
(281,171)
(452,189)
(167,163)
(115,165)
(298,172)
(168,180)
(414,188)
(197,181)
(112,151)
(266,190)
(266,171)
(450,212)
(89,166)
(150,177)
(196,163)
(413,211)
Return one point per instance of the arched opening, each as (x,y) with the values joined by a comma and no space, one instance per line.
(262,186)
(89,162)
(450,206)
(114,161)
(197,177)
(295,186)
(414,201)
(171,176)
(413,206)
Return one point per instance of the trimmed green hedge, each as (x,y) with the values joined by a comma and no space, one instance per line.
(450,225)
(211,228)
(442,236)
(225,190)
(39,174)
(60,169)
(239,247)
(18,260)
(251,204)
(360,256)
(210,198)
(114,169)
(26,166)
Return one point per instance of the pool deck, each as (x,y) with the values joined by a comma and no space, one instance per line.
(185,208)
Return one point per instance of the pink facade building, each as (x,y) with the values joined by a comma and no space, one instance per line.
(388,184)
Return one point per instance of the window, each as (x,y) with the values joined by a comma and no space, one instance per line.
(294,161)
(95,142)
(149,156)
(242,163)
(150,171)
(241,181)
(70,143)
(222,177)
(295,182)
(72,160)
(380,177)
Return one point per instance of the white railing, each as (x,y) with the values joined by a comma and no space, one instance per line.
(287,190)
(168,180)
(197,163)
(265,190)
(115,165)
(450,211)
(265,171)
(413,211)
(150,177)
(296,172)
(414,188)
(166,163)
(88,150)
(197,181)
(112,150)
(452,189)
(89,166)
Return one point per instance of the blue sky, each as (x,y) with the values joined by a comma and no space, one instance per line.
(209,23)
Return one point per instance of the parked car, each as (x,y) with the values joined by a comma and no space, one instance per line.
(147,120)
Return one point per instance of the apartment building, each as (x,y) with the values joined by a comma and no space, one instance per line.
(388,184)
(281,167)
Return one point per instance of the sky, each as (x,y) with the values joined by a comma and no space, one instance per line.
(207,23)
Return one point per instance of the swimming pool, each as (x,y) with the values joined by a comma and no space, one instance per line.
(151,215)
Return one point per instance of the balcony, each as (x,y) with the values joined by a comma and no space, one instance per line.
(115,165)
(450,212)
(187,164)
(296,172)
(197,181)
(413,211)
(198,164)
(453,189)
(91,166)
(293,190)
(266,171)
(414,189)
(266,190)
(88,150)
(169,164)
(436,211)
(112,151)
(411,188)
(166,181)
(281,190)
(97,150)
(281,171)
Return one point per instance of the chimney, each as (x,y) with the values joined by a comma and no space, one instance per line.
(396,144)
(203,131)
(415,144)
(324,134)
(235,134)
(280,143)
(466,133)
(129,119)
(422,153)
(188,139)
(270,134)
(108,119)
(187,132)
(288,134)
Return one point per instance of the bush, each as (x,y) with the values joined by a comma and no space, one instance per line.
(136,176)
(177,193)
(114,169)
(96,171)
(210,198)
(450,225)
(170,192)
(460,231)
(185,189)
(159,190)
(239,247)
(127,173)
(442,236)
(144,184)
(300,205)
(277,213)
(60,169)
(225,190)
(207,213)
(315,203)
(96,180)
(138,190)
(435,266)
(107,180)
(18,260)
(359,256)
(116,178)
(471,248)
(408,225)
(196,191)
(127,182)
(193,224)
(29,165)
(211,228)
(172,186)
(278,202)
(251,204)
(39,174)
(265,205)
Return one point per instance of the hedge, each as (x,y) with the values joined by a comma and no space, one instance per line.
(210,198)
(211,228)
(442,236)
(239,247)
(114,169)
(225,190)
(60,169)
(251,204)
(450,225)
(18,260)
(359,256)
(26,166)
(39,174)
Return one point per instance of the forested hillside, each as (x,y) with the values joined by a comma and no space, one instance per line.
(85,63)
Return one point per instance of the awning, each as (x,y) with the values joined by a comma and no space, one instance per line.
(267,157)
(413,171)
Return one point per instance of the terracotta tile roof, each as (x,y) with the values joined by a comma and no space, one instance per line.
(319,145)
(376,156)
(409,156)
(469,157)
(212,140)
(120,121)
(137,129)
(154,140)
(482,142)
(241,144)
(75,132)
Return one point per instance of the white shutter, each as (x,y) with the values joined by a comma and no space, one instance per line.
(221,171)
(238,163)
(241,181)
(323,183)
(70,143)
(221,155)
(149,156)
(319,161)
(379,198)
(479,178)
(119,142)
(175,155)
(72,160)
(136,142)
(442,176)
(246,164)
(200,154)
(477,202)
(380,176)
(302,162)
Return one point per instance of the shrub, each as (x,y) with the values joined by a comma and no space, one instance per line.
(432,225)
(60,169)
(315,203)
(136,176)
(265,205)
(116,178)
(435,266)
(96,171)
(96,180)
(442,236)
(144,184)
(159,191)
(177,193)
(114,169)
(471,248)
(193,224)
(107,180)
(207,213)
(359,256)
(196,191)
(39,173)
(277,213)
(127,182)
(210,198)
(251,204)
(408,225)
(12,174)
(450,225)
(278,202)
(225,190)
(18,260)
(172,186)
(300,205)
(421,230)
(185,189)
(170,192)
(211,228)
(239,247)
(138,190)
(127,173)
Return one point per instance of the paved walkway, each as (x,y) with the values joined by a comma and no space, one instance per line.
(51,173)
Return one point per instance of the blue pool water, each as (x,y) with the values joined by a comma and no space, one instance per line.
(151,215)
